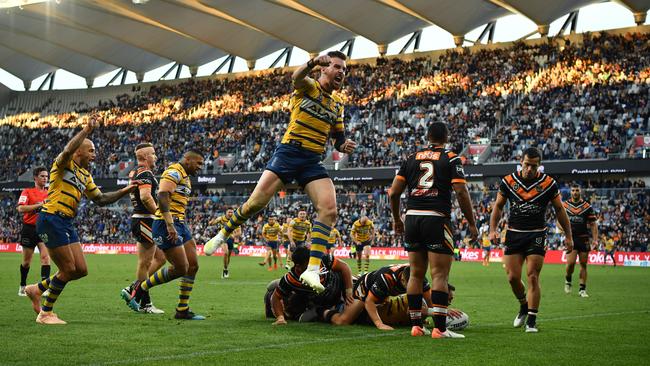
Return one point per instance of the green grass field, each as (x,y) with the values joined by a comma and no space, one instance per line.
(611,326)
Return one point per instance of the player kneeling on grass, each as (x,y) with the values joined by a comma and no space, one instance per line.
(291,297)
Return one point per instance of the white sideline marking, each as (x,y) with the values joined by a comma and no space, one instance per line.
(329,340)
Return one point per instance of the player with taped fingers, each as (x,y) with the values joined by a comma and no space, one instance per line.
(529,192)
(69,181)
(30,202)
(172,234)
(431,174)
(316,117)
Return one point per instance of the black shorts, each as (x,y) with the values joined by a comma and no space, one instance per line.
(359,247)
(141,230)
(428,233)
(29,237)
(525,243)
(581,244)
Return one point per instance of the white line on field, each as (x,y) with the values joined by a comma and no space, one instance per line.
(186,356)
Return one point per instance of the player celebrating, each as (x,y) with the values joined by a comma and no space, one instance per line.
(30,201)
(229,245)
(70,179)
(150,258)
(316,114)
(271,235)
(583,219)
(529,193)
(363,234)
(172,235)
(299,231)
(430,175)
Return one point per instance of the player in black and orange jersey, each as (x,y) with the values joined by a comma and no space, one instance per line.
(150,258)
(529,192)
(172,235)
(316,115)
(69,181)
(431,174)
(291,297)
(30,202)
(583,223)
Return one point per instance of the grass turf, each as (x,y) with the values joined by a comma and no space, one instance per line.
(609,327)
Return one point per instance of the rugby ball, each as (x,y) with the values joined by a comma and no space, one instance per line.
(458,322)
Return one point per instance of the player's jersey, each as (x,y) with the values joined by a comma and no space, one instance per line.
(148,179)
(31,196)
(528,200)
(394,311)
(361,232)
(68,182)
(331,280)
(271,232)
(383,283)
(300,228)
(429,175)
(220,221)
(180,196)
(609,245)
(485,242)
(580,214)
(285,232)
(314,114)
(334,236)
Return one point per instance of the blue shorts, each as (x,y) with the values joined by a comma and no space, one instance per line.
(55,230)
(291,163)
(272,244)
(231,243)
(286,244)
(159,233)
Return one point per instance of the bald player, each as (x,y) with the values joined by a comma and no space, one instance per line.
(70,179)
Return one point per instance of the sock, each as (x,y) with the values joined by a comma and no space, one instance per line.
(56,286)
(440,301)
(320,234)
(415,309)
(23,275)
(44,284)
(568,280)
(45,271)
(523,304)
(366,265)
(532,317)
(583,286)
(186,286)
(235,221)
(359,266)
(158,278)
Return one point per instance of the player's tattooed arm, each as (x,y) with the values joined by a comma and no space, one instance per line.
(465,203)
(495,217)
(103,199)
(164,199)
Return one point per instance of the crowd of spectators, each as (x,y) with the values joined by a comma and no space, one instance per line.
(573,100)
(622,206)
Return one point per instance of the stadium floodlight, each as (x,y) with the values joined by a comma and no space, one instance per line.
(19,3)
(140,2)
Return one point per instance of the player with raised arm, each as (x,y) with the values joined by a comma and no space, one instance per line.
(150,258)
(431,174)
(172,235)
(316,116)
(529,192)
(70,180)
(583,223)
(30,202)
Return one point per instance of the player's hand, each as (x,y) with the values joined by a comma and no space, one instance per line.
(383,326)
(494,237)
(93,122)
(172,234)
(473,233)
(454,313)
(322,61)
(348,147)
(398,226)
(280,321)
(568,244)
(349,299)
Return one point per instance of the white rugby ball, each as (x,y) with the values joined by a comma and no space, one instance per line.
(458,322)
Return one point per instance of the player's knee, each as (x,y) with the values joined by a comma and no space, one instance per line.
(583,265)
(327,212)
(513,279)
(533,279)
(80,272)
(45,260)
(192,269)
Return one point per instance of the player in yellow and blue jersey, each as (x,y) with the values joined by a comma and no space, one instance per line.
(316,116)
(271,233)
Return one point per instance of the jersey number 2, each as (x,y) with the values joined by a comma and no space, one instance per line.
(426,178)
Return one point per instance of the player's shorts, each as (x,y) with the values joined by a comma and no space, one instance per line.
(230,242)
(29,237)
(581,244)
(300,243)
(55,230)
(291,162)
(525,243)
(141,228)
(160,234)
(286,244)
(428,233)
(272,244)
(487,249)
(358,248)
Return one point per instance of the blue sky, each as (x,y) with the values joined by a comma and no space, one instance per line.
(595,17)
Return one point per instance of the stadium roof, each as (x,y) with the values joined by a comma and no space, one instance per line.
(92,37)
